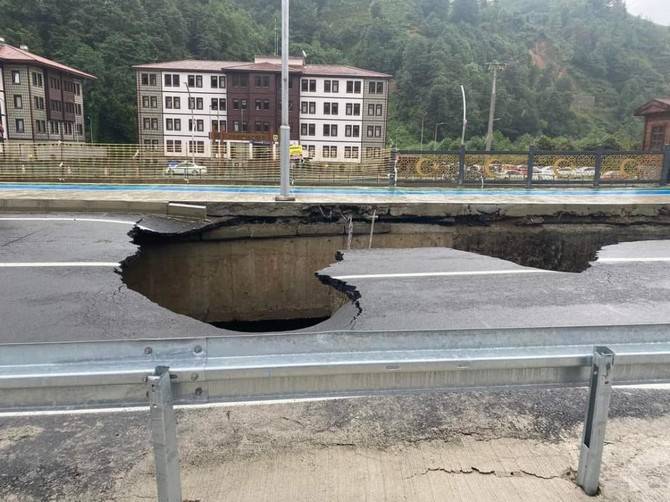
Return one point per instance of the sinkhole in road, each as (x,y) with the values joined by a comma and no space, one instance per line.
(270,283)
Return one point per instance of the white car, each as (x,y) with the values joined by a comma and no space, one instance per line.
(185,168)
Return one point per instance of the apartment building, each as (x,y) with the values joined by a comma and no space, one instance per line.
(213,108)
(40,100)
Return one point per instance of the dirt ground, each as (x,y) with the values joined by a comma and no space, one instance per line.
(502,446)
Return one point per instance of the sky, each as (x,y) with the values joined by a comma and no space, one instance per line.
(657,11)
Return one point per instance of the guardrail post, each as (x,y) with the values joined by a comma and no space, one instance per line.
(461,165)
(598,168)
(164,436)
(665,172)
(393,166)
(593,438)
(531,164)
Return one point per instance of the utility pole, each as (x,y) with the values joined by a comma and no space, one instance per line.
(495,67)
(285,129)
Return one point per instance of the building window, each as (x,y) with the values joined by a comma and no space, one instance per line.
(262,81)
(214,82)
(194,81)
(657,140)
(353,109)
(352,131)
(236,104)
(18,101)
(53,126)
(154,102)
(39,103)
(308,85)
(145,79)
(176,103)
(41,126)
(171,80)
(353,86)
(333,152)
(307,129)
(375,87)
(154,124)
(16,77)
(169,126)
(325,152)
(145,101)
(371,109)
(378,131)
(330,130)
(20,126)
(37,79)
(240,80)
(218,125)
(311,151)
(378,110)
(168,102)
(331,86)
(177,124)
(169,146)
(215,104)
(199,147)
(146,123)
(222,82)
(68,128)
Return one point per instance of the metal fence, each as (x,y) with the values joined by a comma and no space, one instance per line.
(259,165)
(80,162)
(162,373)
(533,167)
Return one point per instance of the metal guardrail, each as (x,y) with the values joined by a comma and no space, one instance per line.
(162,373)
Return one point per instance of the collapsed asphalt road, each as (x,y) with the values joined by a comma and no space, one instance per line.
(65,285)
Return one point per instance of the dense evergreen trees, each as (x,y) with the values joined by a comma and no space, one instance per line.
(576,69)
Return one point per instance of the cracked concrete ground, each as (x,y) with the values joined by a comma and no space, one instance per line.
(482,446)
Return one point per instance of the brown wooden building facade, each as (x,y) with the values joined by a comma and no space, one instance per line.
(656,115)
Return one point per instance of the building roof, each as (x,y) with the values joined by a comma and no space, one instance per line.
(656,105)
(327,70)
(11,54)
(323,70)
(264,67)
(189,65)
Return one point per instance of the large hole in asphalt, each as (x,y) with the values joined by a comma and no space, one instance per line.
(269,284)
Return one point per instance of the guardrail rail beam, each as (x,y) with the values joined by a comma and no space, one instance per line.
(593,438)
(164,435)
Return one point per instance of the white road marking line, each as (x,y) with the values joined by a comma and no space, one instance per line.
(72,264)
(632,260)
(90,220)
(444,274)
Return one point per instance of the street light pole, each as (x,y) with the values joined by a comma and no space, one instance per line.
(465,116)
(285,129)
(495,66)
(191,105)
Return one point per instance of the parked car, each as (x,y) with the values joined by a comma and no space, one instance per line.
(585,171)
(185,168)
